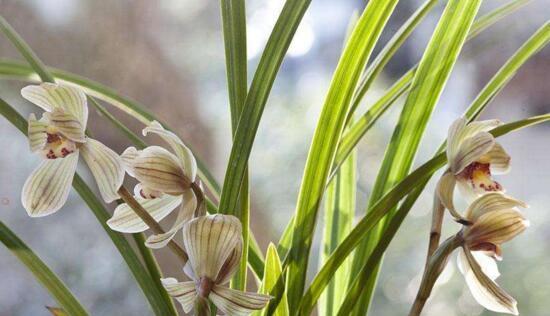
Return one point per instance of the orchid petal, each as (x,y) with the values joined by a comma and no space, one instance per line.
(159,169)
(187,209)
(68,125)
(125,220)
(496,227)
(209,241)
(445,191)
(485,291)
(128,157)
(106,167)
(231,265)
(471,149)
(479,126)
(454,137)
(184,292)
(499,160)
(37,133)
(50,96)
(238,303)
(184,154)
(48,186)
(490,202)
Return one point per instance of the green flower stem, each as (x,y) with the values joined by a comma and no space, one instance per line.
(434,268)
(151,222)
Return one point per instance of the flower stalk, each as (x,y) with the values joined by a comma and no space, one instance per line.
(438,213)
(150,221)
(435,266)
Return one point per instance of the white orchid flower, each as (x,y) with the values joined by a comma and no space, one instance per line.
(495,220)
(473,156)
(59,136)
(214,245)
(165,181)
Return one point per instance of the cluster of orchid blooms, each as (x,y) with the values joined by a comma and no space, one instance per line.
(213,243)
(491,218)
(167,181)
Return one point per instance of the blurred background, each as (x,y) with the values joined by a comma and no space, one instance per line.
(169,56)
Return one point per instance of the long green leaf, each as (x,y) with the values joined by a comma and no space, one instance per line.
(338,219)
(389,50)
(155,298)
(339,214)
(272,275)
(401,86)
(326,137)
(433,71)
(384,205)
(25,50)
(263,80)
(351,138)
(234,34)
(41,272)
(534,44)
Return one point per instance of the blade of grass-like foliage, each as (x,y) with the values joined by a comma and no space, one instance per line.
(25,50)
(389,50)
(339,214)
(326,137)
(338,219)
(270,285)
(234,34)
(428,82)
(384,205)
(156,299)
(352,137)
(503,76)
(495,15)
(263,80)
(41,272)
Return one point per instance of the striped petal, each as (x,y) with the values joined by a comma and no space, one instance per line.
(231,265)
(209,241)
(37,133)
(454,137)
(48,186)
(490,202)
(187,209)
(238,303)
(498,159)
(445,191)
(50,96)
(128,157)
(183,292)
(470,150)
(67,125)
(106,167)
(496,227)
(184,154)
(125,220)
(159,169)
(483,288)
(479,126)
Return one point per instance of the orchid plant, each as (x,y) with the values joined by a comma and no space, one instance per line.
(224,270)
